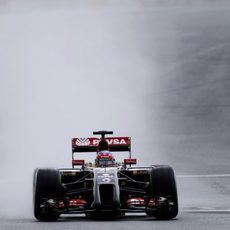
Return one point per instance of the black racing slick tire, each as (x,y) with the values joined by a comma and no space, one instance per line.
(163,184)
(46,185)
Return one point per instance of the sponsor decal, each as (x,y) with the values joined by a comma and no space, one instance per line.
(130,161)
(78,162)
(82,141)
(115,141)
(106,180)
(105,175)
(91,141)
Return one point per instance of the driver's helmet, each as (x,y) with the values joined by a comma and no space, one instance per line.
(104,159)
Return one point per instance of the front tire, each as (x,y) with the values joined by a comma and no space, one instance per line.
(163,184)
(46,185)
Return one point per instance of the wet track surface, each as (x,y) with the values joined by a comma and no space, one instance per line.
(185,221)
(171,66)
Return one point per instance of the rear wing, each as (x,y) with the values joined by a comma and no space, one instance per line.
(116,144)
(93,144)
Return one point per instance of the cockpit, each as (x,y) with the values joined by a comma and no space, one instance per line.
(104,156)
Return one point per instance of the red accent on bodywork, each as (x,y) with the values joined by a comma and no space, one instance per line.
(77,202)
(61,204)
(78,162)
(130,161)
(72,203)
(152,202)
(135,201)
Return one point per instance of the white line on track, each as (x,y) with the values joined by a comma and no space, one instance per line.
(207,210)
(203,176)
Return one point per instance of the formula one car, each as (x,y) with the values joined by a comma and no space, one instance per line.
(105,187)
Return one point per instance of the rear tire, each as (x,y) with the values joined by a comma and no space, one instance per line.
(47,185)
(163,184)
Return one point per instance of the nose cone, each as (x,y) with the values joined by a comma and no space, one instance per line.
(106,189)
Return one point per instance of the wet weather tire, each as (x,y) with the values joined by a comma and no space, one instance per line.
(163,184)
(46,185)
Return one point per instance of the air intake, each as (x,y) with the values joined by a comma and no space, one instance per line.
(106,194)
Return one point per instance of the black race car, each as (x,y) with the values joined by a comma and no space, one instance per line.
(105,187)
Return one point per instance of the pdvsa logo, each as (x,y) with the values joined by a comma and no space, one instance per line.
(82,141)
(117,141)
